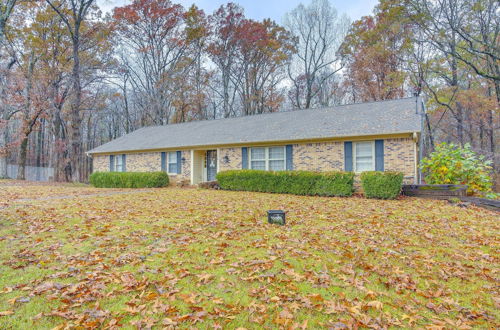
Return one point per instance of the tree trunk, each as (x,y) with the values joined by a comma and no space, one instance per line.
(309,92)
(23,148)
(39,149)
(481,135)
(3,153)
(460,127)
(75,120)
(429,132)
(57,154)
(491,135)
(469,130)
(27,121)
(491,122)
(4,15)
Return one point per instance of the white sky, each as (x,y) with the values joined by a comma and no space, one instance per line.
(260,9)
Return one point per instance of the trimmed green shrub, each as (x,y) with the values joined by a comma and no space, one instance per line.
(129,179)
(383,185)
(335,184)
(288,182)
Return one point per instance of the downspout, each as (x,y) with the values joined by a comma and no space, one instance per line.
(421,141)
(416,139)
(415,158)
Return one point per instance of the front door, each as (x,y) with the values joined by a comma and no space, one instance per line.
(211,164)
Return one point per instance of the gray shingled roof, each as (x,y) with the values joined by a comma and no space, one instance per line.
(373,118)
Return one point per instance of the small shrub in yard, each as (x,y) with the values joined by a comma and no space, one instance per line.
(451,164)
(383,185)
(289,182)
(129,179)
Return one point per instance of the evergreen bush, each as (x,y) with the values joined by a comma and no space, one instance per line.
(383,185)
(129,179)
(288,182)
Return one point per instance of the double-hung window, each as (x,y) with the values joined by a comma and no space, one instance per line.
(364,156)
(267,158)
(119,163)
(172,162)
(258,158)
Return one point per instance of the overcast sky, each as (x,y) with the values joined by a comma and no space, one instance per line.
(260,9)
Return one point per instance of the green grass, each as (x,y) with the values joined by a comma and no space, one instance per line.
(203,258)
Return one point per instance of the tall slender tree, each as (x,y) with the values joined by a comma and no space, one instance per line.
(6,9)
(74,13)
(320,32)
(222,49)
(152,34)
(263,51)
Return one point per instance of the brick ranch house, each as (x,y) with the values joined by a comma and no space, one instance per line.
(382,136)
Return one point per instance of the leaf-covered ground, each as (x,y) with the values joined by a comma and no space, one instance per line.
(184,258)
(12,190)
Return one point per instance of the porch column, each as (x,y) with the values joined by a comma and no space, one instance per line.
(192,167)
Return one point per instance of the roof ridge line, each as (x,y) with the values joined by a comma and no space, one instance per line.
(273,113)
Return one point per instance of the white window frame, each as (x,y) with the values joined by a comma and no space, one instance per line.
(118,167)
(267,159)
(250,159)
(169,162)
(354,156)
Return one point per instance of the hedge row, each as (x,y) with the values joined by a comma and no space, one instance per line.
(129,179)
(289,182)
(383,185)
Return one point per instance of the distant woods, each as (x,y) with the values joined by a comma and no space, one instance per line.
(73,77)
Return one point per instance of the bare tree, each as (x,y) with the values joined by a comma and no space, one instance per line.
(436,27)
(473,26)
(320,33)
(154,43)
(480,31)
(73,13)
(464,33)
(223,45)
(6,8)
(418,64)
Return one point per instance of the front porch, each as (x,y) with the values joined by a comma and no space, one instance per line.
(204,165)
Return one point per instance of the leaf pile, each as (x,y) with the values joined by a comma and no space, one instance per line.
(181,258)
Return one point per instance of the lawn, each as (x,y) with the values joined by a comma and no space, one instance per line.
(183,258)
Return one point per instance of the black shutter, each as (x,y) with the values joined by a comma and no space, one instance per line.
(348,156)
(124,163)
(164,161)
(111,163)
(244,158)
(179,162)
(289,157)
(379,155)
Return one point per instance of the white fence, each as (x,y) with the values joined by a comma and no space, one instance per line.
(32,173)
